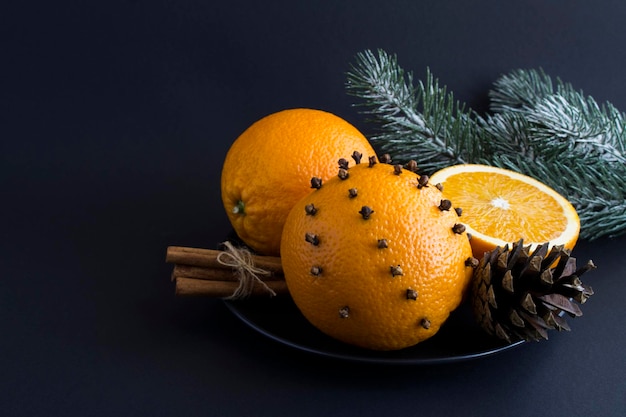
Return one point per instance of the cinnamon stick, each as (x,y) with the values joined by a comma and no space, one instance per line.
(202,272)
(214,273)
(205,288)
(208,258)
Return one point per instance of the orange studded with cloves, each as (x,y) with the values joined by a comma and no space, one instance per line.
(376,257)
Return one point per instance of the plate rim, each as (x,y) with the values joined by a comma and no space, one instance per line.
(232,307)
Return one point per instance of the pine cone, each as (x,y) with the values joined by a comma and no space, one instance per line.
(519,295)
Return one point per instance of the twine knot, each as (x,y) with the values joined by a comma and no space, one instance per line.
(240,259)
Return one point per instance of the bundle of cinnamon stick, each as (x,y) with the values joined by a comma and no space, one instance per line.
(209,273)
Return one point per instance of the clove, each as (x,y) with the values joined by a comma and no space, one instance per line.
(458,228)
(316,183)
(310,209)
(313,239)
(395,270)
(445,205)
(366,212)
(471,261)
(356,155)
(411,166)
(422,181)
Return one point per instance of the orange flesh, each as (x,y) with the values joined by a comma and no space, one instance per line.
(514,208)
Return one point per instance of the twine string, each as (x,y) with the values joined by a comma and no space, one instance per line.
(240,259)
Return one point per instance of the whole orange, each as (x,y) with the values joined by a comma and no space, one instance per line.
(270,165)
(375,258)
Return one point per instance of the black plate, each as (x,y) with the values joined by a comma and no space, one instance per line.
(459,339)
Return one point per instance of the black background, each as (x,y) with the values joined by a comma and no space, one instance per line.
(115,118)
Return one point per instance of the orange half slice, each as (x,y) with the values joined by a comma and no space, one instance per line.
(500,206)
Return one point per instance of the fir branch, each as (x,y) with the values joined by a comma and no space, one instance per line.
(519,89)
(422,122)
(560,113)
(539,127)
